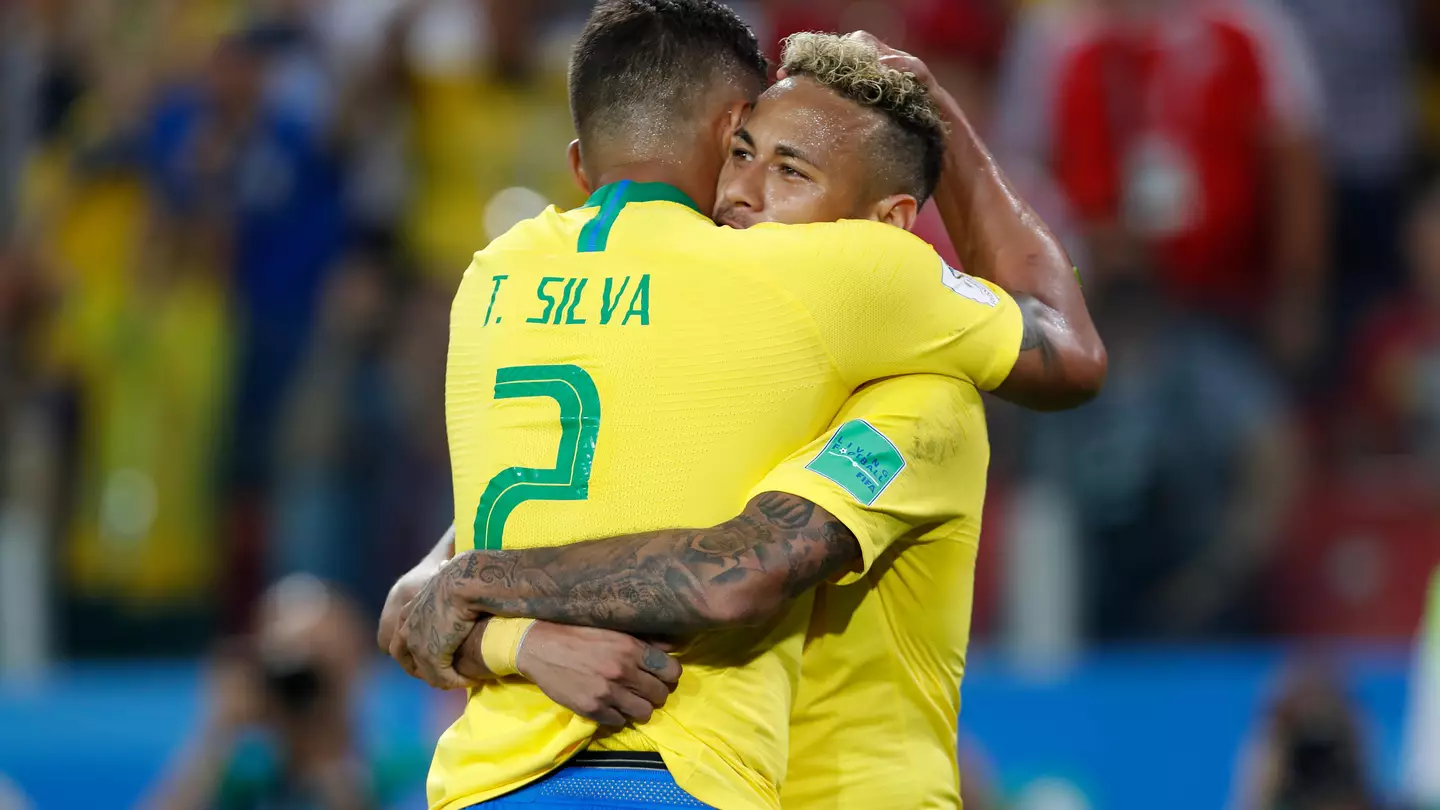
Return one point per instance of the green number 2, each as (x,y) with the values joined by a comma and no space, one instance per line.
(569,480)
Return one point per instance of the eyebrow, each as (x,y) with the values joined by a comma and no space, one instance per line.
(786,150)
(783,150)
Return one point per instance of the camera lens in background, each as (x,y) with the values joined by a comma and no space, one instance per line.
(296,685)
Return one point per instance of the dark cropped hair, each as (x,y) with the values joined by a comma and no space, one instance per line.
(641,66)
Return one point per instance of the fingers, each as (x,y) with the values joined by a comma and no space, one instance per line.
(652,676)
(662,666)
(902,62)
(384,633)
(400,651)
(894,57)
(392,618)
(438,675)
(445,677)
(648,688)
(869,39)
(469,660)
(669,644)
(633,706)
(433,666)
(606,716)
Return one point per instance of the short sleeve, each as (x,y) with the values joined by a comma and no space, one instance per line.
(903,456)
(886,304)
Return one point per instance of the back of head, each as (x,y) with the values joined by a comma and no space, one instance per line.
(643,70)
(907,153)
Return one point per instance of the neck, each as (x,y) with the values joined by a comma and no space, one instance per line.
(678,175)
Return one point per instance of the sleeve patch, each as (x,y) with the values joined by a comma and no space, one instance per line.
(860,459)
(967,286)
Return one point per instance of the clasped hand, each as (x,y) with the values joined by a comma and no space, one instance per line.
(609,677)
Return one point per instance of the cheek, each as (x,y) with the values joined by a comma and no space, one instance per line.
(799,203)
(727,177)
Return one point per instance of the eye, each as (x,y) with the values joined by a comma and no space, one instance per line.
(791,171)
(738,153)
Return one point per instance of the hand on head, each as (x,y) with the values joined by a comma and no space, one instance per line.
(889,57)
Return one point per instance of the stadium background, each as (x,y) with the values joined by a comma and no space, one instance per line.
(229,232)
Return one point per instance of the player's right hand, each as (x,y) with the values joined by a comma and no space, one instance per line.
(611,678)
(432,626)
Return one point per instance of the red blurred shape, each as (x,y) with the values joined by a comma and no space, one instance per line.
(1358,558)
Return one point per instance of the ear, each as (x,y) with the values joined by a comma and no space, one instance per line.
(577,166)
(899,210)
(735,119)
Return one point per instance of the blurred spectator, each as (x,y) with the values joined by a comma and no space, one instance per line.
(1425,47)
(419,496)
(374,126)
(19,70)
(1310,750)
(1185,135)
(1396,365)
(1184,140)
(340,432)
(1362,53)
(132,345)
(300,81)
(247,187)
(278,728)
(255,185)
(1178,474)
(491,125)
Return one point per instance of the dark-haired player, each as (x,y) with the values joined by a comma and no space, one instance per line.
(698,360)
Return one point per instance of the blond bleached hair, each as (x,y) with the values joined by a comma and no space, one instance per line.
(852,68)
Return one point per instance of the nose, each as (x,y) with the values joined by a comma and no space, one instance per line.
(743,187)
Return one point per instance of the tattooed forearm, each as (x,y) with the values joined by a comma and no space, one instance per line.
(1037,320)
(671,582)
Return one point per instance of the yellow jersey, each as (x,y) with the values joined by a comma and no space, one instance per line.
(875,719)
(630,366)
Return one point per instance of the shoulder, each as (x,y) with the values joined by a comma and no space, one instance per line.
(848,243)
(544,229)
(925,395)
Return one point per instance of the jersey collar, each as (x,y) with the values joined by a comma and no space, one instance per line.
(620,194)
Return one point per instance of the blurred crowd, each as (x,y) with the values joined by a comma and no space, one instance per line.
(230,229)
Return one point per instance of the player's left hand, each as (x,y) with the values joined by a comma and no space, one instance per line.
(897,59)
(432,628)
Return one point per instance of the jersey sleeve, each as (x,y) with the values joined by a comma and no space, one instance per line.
(886,304)
(902,456)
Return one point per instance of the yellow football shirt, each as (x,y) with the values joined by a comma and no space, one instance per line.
(875,718)
(630,366)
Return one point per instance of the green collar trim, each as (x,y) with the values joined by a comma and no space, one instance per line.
(615,196)
(627,191)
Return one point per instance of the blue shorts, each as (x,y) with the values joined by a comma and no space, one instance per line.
(578,787)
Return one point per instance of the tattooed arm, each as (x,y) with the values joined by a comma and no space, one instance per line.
(668,582)
(1000,238)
